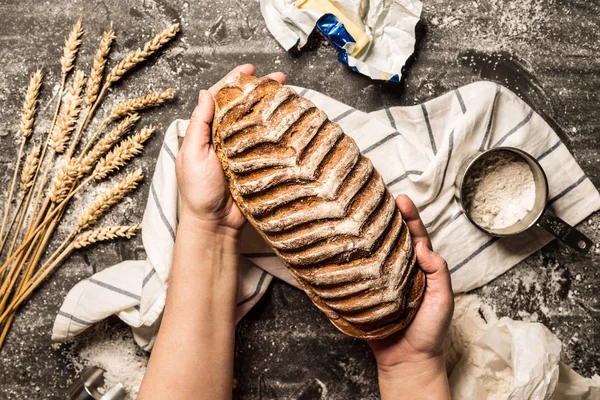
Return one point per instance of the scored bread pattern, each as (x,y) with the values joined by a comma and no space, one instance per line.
(319,203)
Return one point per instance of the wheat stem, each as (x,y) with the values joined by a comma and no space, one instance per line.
(35,230)
(82,240)
(10,224)
(31,162)
(8,203)
(26,126)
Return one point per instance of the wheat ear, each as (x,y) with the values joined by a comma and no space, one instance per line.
(89,159)
(31,162)
(82,240)
(140,103)
(30,104)
(68,115)
(123,152)
(139,55)
(108,199)
(95,80)
(71,46)
(26,126)
(64,181)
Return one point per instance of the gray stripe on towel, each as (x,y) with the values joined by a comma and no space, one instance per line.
(169,152)
(161,213)
(391,118)
(114,289)
(343,115)
(380,142)
(431,138)
(147,277)
(515,129)
(490,121)
(450,147)
(550,150)
(460,101)
(403,176)
(74,318)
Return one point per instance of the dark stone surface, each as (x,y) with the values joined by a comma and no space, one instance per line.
(545,50)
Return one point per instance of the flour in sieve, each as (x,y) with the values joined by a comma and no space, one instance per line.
(500,190)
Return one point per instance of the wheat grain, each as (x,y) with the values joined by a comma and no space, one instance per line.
(71,45)
(140,103)
(68,115)
(95,80)
(106,143)
(101,234)
(29,168)
(109,198)
(123,152)
(64,180)
(30,104)
(140,55)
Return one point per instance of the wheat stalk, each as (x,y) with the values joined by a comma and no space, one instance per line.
(31,162)
(29,168)
(71,45)
(123,152)
(105,144)
(108,199)
(140,103)
(139,55)
(68,115)
(82,240)
(26,127)
(95,80)
(64,181)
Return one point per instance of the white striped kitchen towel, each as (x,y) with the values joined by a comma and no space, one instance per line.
(418,151)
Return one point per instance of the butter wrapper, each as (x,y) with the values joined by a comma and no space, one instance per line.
(375,37)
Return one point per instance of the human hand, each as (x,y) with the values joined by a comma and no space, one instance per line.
(202,185)
(415,353)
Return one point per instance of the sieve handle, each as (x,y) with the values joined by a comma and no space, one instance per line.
(564,232)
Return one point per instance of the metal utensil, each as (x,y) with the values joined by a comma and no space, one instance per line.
(89,381)
(540,216)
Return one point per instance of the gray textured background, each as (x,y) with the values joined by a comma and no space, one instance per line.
(545,50)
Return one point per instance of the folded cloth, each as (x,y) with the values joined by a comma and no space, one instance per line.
(418,150)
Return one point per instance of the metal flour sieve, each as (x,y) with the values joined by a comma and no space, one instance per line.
(540,216)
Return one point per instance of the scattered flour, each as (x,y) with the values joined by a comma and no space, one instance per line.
(117,353)
(114,351)
(500,191)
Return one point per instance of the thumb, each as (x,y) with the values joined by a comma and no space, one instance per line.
(198,131)
(434,266)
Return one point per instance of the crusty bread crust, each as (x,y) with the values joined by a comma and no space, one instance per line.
(290,170)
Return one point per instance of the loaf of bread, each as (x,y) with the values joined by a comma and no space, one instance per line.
(322,207)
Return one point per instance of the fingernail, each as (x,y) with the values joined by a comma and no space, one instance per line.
(202,97)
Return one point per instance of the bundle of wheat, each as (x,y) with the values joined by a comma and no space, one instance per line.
(25,265)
